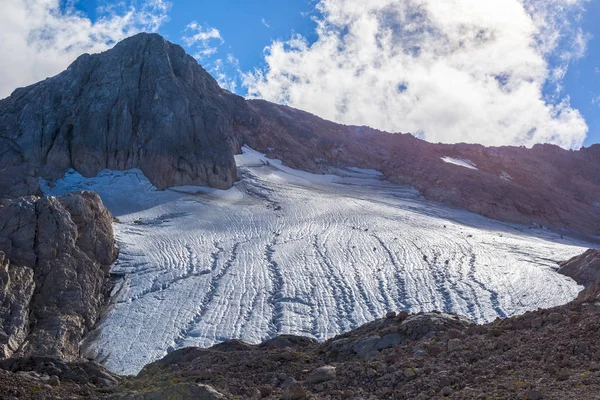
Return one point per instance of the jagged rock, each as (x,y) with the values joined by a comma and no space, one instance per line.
(69,245)
(143,104)
(584,269)
(294,392)
(16,290)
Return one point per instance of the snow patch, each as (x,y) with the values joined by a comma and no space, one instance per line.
(460,162)
(505,176)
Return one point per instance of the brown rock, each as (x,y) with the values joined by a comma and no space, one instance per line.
(294,392)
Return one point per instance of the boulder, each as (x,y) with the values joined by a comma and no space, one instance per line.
(322,374)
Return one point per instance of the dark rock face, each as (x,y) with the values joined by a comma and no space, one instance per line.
(62,247)
(584,269)
(144,104)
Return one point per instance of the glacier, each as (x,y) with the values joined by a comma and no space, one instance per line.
(289,252)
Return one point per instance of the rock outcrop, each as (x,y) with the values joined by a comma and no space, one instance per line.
(60,250)
(143,104)
(583,269)
(16,290)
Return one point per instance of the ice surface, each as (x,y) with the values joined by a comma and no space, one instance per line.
(286,251)
(460,162)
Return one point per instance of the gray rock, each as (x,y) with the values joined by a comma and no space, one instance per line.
(363,347)
(143,104)
(390,340)
(16,290)
(322,374)
(66,245)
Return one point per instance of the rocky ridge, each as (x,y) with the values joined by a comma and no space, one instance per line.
(54,266)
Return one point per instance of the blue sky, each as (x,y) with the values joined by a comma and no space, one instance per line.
(501,82)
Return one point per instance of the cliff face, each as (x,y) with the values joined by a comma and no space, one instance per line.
(146,104)
(143,104)
(54,264)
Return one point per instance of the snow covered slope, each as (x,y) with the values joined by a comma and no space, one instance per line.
(286,251)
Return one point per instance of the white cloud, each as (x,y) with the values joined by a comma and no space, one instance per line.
(39,38)
(452,70)
(596,101)
(264,22)
(218,70)
(205,40)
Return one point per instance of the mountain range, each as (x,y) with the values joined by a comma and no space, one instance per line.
(146,211)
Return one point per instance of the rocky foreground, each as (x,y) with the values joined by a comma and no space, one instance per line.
(546,354)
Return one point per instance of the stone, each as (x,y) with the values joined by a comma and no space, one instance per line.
(179,391)
(390,340)
(322,374)
(54,381)
(390,315)
(294,392)
(446,391)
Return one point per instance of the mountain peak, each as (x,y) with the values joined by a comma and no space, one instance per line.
(142,104)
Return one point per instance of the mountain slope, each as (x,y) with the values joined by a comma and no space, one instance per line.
(146,104)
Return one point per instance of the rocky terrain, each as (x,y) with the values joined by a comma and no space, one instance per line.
(54,264)
(545,354)
(146,104)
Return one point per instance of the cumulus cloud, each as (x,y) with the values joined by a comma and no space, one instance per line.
(449,71)
(219,70)
(40,38)
(204,40)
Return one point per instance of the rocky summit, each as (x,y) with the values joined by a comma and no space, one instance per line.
(144,104)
